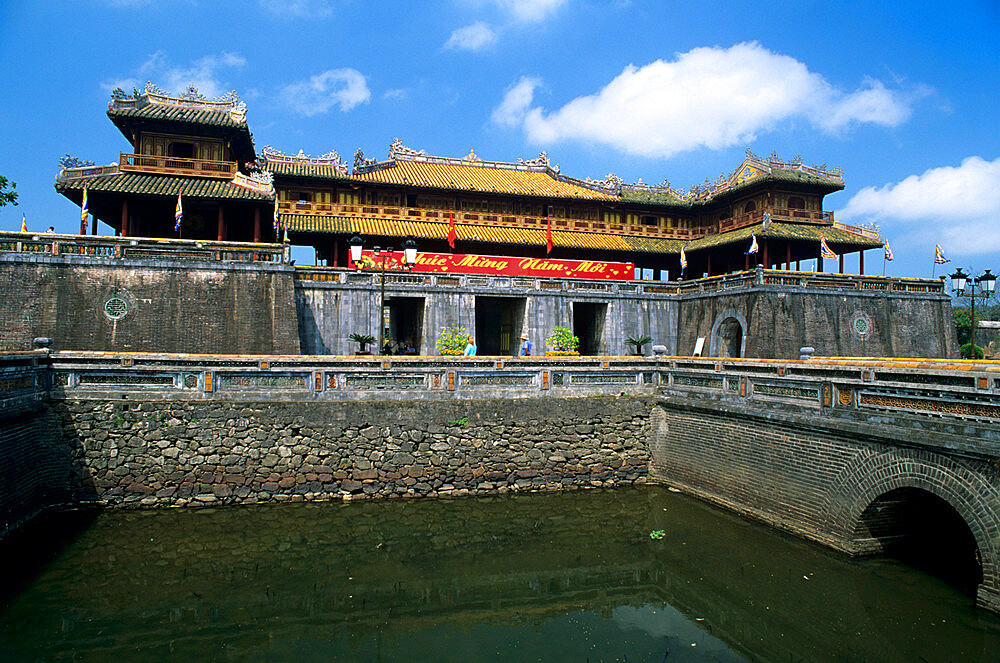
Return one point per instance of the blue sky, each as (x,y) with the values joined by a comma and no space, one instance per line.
(905,97)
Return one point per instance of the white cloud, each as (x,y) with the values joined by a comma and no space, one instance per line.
(955,206)
(708,97)
(472,37)
(395,94)
(342,87)
(531,11)
(298,8)
(203,74)
(516,102)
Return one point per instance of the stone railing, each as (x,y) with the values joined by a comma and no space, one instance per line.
(948,389)
(296,378)
(140,247)
(952,397)
(24,381)
(738,280)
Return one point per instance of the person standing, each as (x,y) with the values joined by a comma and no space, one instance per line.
(525,350)
(470,348)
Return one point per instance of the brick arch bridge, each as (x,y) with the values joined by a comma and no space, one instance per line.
(833,451)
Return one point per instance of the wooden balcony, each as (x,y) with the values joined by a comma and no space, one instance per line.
(569,224)
(146,163)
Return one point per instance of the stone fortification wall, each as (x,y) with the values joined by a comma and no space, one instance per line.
(777,321)
(187,453)
(329,311)
(161,305)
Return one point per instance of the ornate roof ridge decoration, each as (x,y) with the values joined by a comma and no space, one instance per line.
(259,181)
(151,95)
(330,159)
(751,168)
(86,170)
(399,152)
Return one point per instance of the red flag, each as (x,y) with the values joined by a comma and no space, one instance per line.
(452,235)
(548,235)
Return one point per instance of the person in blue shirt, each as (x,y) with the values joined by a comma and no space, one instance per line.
(470,348)
(525,350)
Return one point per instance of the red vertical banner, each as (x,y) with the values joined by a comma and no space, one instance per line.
(452,234)
(548,235)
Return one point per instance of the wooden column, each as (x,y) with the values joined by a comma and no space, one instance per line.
(788,256)
(256,225)
(93,227)
(708,267)
(746,261)
(763,246)
(222,226)
(840,260)
(125,229)
(861,262)
(819,261)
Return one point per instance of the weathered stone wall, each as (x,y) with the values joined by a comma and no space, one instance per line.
(157,453)
(172,306)
(779,321)
(328,313)
(35,466)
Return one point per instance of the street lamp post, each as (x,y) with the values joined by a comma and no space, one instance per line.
(382,260)
(986,283)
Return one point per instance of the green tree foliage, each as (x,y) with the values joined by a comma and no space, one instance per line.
(968,349)
(562,340)
(8,196)
(452,340)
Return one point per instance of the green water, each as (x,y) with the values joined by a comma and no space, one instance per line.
(549,577)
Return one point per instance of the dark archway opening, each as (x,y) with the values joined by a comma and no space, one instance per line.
(588,326)
(924,531)
(730,338)
(498,324)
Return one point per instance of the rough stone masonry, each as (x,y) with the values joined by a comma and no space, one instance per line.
(177,454)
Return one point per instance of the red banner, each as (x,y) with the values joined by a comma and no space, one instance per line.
(502,265)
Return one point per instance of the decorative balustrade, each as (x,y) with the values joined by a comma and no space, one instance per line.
(136,247)
(852,388)
(146,163)
(737,280)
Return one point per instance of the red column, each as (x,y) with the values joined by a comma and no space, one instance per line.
(861,262)
(841,261)
(222,226)
(767,264)
(125,229)
(256,225)
(746,261)
(788,256)
(708,267)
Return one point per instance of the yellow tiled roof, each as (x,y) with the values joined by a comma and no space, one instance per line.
(306,223)
(478,178)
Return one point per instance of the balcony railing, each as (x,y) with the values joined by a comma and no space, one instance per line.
(146,163)
(140,247)
(571,224)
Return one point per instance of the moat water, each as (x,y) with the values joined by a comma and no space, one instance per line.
(545,577)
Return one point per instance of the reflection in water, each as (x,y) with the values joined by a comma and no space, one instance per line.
(551,577)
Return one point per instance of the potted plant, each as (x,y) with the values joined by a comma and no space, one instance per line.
(637,342)
(562,342)
(363,341)
(451,341)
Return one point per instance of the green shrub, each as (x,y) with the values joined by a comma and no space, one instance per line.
(452,340)
(637,342)
(967,352)
(561,340)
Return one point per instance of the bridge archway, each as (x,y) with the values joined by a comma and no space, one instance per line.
(729,335)
(877,501)
(923,530)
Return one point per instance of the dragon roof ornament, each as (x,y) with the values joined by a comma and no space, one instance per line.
(228,103)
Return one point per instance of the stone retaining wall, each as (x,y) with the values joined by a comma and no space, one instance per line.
(177,454)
